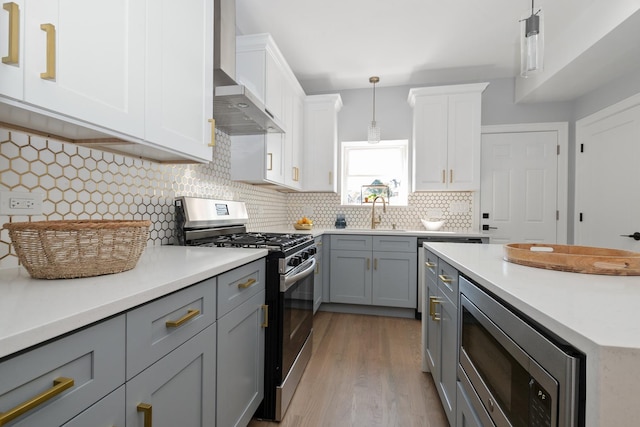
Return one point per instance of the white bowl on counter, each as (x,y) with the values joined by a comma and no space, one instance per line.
(433,224)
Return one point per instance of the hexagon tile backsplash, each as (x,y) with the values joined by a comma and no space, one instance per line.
(82,183)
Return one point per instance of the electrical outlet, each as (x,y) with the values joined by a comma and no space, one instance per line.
(20,203)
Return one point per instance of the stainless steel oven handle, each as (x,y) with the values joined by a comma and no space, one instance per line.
(290,280)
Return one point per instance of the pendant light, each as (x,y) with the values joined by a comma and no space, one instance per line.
(374,130)
(532,43)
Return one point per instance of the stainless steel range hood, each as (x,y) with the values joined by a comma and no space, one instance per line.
(237,111)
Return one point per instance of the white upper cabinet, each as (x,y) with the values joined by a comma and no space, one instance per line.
(179,76)
(273,158)
(130,75)
(86,60)
(446,137)
(321,142)
(12,49)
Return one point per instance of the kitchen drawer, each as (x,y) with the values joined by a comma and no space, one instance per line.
(156,328)
(351,242)
(430,265)
(106,413)
(448,281)
(238,285)
(395,244)
(94,358)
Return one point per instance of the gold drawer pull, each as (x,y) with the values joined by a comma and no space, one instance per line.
(212,142)
(265,323)
(175,323)
(430,264)
(14,33)
(50,74)
(147,413)
(269,161)
(59,385)
(445,279)
(443,176)
(433,301)
(375,263)
(450,176)
(246,284)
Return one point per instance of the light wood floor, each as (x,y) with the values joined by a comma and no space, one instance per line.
(364,371)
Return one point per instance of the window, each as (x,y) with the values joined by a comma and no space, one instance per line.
(369,170)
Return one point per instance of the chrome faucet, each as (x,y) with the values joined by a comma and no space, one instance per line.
(373,212)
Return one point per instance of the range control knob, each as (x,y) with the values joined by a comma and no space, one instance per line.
(305,255)
(295,261)
(312,250)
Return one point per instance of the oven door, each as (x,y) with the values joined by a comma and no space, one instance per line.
(296,295)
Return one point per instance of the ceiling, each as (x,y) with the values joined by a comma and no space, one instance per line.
(335,45)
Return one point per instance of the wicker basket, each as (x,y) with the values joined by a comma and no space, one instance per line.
(82,248)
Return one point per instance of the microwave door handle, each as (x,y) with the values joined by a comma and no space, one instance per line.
(290,280)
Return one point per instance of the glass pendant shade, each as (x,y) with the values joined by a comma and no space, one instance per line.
(532,43)
(373,132)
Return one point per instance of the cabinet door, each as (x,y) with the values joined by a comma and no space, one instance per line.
(92,68)
(12,49)
(321,142)
(275,158)
(108,412)
(432,343)
(274,94)
(430,143)
(465,414)
(448,356)
(241,362)
(180,388)
(395,279)
(179,76)
(463,150)
(350,276)
(317,282)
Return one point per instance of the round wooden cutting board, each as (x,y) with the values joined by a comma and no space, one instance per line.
(576,259)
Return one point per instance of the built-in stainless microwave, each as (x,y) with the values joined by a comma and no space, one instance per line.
(513,374)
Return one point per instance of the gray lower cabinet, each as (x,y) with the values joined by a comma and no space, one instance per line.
(465,415)
(319,275)
(108,412)
(374,270)
(441,346)
(179,389)
(242,319)
(61,379)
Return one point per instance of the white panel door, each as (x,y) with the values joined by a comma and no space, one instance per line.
(607,177)
(98,53)
(519,186)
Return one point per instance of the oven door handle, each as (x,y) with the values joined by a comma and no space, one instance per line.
(290,280)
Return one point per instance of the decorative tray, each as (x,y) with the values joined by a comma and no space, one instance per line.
(576,259)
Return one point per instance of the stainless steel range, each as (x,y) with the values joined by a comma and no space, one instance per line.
(289,288)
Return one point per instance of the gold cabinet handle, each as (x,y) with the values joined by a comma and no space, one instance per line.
(330,178)
(147,413)
(176,323)
(445,279)
(269,161)
(368,263)
(433,301)
(375,263)
(450,176)
(265,310)
(50,74)
(212,143)
(59,385)
(246,284)
(430,264)
(444,174)
(14,33)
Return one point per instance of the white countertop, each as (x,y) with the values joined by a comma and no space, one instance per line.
(379,231)
(36,310)
(595,313)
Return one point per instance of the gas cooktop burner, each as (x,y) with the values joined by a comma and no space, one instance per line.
(258,240)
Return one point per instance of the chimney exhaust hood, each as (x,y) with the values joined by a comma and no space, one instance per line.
(236,110)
